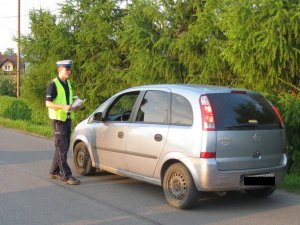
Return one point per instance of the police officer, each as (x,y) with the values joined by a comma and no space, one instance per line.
(59,99)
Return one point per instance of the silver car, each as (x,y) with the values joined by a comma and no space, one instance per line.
(187,138)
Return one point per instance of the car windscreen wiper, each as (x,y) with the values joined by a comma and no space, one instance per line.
(241,125)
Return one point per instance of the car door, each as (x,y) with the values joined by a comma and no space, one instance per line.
(147,135)
(110,134)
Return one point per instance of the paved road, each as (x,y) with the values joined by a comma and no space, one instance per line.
(27,196)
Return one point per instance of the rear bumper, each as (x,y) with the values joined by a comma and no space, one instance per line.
(207,177)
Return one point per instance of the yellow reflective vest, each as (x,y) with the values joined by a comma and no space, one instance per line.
(61,114)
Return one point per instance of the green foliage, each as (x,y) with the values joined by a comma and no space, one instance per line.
(39,114)
(9,52)
(15,113)
(47,43)
(97,56)
(289,105)
(263,41)
(15,109)
(150,36)
(253,44)
(200,47)
(35,82)
(7,86)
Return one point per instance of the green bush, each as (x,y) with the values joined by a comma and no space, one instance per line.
(39,112)
(7,86)
(289,106)
(13,108)
(39,116)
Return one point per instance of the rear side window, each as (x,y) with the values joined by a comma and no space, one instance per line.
(181,111)
(154,108)
(235,111)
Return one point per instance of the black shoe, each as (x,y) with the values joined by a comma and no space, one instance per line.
(71,181)
(55,176)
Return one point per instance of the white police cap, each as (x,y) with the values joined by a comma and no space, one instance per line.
(64,63)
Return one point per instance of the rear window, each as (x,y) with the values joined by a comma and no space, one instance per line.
(236,111)
(181,113)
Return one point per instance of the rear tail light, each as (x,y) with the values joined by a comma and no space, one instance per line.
(207,155)
(278,115)
(208,120)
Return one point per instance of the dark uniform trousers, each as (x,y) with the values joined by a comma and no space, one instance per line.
(62,132)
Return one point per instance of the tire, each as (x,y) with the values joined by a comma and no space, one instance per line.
(82,160)
(179,187)
(261,193)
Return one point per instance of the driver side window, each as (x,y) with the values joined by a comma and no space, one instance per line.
(121,108)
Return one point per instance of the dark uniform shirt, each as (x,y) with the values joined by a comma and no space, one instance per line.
(52,91)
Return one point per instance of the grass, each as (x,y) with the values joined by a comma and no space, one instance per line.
(28,126)
(291,182)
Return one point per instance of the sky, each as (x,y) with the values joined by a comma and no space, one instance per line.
(9,18)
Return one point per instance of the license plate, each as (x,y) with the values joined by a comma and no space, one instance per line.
(267,179)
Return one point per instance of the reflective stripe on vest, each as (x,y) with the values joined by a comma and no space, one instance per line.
(61,114)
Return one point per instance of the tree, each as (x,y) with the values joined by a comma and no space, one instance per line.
(201,44)
(151,32)
(252,44)
(47,43)
(9,52)
(98,61)
(263,42)
(175,42)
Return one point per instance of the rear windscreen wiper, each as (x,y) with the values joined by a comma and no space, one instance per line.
(240,125)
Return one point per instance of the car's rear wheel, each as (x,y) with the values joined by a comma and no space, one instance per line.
(82,160)
(179,187)
(261,192)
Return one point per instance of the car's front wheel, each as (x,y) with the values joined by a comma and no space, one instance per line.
(261,192)
(82,160)
(179,187)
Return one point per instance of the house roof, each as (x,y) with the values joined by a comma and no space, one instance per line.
(12,59)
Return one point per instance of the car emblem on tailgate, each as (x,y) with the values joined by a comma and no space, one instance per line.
(256,137)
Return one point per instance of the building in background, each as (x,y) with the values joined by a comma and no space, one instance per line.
(8,64)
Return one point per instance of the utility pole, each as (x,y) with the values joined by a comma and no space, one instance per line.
(18,57)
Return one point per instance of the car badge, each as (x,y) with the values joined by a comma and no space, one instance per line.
(256,137)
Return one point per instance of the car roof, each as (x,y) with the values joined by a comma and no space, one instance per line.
(195,88)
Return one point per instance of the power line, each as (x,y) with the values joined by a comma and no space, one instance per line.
(9,17)
(9,28)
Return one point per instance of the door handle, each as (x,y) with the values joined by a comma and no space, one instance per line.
(158,137)
(120,134)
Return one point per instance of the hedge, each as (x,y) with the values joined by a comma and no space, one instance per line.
(14,109)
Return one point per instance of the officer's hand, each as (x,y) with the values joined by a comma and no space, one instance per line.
(68,108)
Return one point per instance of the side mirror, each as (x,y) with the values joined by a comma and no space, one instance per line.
(98,116)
